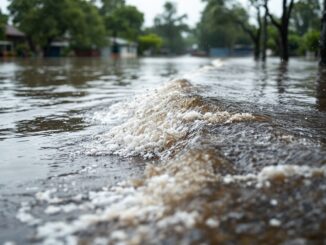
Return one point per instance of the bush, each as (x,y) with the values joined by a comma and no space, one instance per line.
(22,50)
(311,41)
(150,42)
(295,42)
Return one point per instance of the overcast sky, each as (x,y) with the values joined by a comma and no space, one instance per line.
(192,8)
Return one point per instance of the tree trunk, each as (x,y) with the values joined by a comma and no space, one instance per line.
(31,45)
(264,37)
(257,49)
(47,47)
(284,45)
(283,27)
(323,38)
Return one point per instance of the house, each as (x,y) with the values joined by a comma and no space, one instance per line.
(219,52)
(119,47)
(13,37)
(56,48)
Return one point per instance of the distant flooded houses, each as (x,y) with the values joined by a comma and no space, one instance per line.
(120,47)
(15,39)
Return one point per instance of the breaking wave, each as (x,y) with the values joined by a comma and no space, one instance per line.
(167,199)
(192,186)
(158,123)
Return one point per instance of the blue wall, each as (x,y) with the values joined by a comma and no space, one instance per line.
(219,52)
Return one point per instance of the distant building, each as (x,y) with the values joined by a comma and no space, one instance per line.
(56,49)
(13,37)
(120,47)
(117,46)
(219,52)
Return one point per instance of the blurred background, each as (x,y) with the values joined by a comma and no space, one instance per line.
(105,28)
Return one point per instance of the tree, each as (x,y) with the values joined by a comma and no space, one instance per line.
(273,40)
(170,26)
(109,6)
(149,42)
(264,33)
(223,27)
(306,16)
(311,41)
(282,26)
(44,21)
(3,23)
(122,20)
(87,29)
(125,21)
(255,32)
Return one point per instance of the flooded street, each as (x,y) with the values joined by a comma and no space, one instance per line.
(162,151)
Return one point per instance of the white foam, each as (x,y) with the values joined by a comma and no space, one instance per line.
(153,123)
(150,203)
(270,173)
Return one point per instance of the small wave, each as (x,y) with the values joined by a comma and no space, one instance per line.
(153,124)
(167,196)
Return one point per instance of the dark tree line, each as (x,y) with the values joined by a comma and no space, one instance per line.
(295,32)
(88,24)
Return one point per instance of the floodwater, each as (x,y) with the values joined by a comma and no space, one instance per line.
(162,151)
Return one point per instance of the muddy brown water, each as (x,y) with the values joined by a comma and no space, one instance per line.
(99,152)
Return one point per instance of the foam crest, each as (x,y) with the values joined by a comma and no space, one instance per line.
(164,198)
(151,201)
(153,124)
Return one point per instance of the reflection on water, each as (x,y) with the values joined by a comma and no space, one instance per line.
(282,77)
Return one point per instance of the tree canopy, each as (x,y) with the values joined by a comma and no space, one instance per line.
(170,26)
(306,16)
(150,42)
(219,25)
(3,23)
(44,21)
(123,21)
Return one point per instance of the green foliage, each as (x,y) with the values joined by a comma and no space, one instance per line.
(306,16)
(273,40)
(46,20)
(150,42)
(125,21)
(22,50)
(219,26)
(170,27)
(109,6)
(295,42)
(88,29)
(3,23)
(311,41)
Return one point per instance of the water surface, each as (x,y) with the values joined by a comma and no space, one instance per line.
(213,156)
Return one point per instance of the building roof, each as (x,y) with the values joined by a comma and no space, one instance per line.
(13,31)
(122,42)
(60,44)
